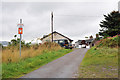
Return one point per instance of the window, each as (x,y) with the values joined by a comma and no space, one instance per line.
(66,42)
(56,41)
(61,41)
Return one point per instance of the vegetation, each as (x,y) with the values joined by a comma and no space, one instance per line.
(97,37)
(32,57)
(91,37)
(111,42)
(86,37)
(11,53)
(111,25)
(1,45)
(14,70)
(101,61)
(15,42)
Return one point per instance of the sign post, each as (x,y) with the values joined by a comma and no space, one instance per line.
(20,31)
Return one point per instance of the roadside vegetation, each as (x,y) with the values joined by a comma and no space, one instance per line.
(101,61)
(32,57)
(11,53)
(110,26)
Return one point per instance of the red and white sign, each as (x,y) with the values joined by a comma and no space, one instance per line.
(20,30)
(20,25)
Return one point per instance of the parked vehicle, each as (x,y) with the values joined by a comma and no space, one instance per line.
(70,46)
(83,46)
(64,43)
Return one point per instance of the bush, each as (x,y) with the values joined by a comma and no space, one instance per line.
(109,42)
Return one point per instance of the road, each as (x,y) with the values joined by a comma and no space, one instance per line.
(63,67)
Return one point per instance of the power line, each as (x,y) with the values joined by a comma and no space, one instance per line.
(76,16)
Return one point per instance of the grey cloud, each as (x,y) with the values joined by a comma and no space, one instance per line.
(74,20)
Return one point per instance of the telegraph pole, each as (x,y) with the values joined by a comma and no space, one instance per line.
(119,6)
(52,25)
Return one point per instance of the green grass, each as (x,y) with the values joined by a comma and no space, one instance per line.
(100,63)
(15,70)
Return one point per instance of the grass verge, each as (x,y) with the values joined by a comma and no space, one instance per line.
(99,63)
(15,70)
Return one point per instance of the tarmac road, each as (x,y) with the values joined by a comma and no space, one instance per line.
(63,67)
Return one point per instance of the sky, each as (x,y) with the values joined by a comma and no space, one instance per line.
(75,19)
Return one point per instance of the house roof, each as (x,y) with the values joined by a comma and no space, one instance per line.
(57,33)
(87,40)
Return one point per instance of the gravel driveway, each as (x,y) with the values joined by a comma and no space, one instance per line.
(63,67)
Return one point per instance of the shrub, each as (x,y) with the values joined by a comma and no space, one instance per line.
(109,42)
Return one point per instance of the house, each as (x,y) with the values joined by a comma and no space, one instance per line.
(56,36)
(36,41)
(87,42)
(4,43)
(77,43)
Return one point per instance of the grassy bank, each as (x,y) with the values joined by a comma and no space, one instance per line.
(99,63)
(17,69)
(11,53)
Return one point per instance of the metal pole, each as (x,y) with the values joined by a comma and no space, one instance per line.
(20,37)
(52,25)
(20,44)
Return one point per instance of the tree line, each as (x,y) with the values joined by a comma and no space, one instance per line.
(110,26)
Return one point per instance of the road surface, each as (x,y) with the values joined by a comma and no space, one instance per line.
(63,67)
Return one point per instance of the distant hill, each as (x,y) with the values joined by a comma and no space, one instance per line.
(4,43)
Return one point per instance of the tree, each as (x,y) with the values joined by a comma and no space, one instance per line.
(86,37)
(97,37)
(28,44)
(15,36)
(9,43)
(91,37)
(111,25)
(1,46)
(14,42)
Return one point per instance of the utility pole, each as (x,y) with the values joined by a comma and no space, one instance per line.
(119,6)
(52,25)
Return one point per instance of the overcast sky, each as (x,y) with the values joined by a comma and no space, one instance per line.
(74,19)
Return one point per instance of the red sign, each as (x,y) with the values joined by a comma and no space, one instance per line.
(20,30)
